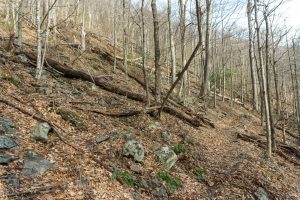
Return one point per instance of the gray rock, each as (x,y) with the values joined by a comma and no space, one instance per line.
(44,90)
(35,165)
(167,157)
(153,126)
(137,168)
(5,159)
(261,194)
(134,149)
(40,132)
(7,126)
(6,142)
(166,136)
(142,183)
(154,183)
(100,139)
(22,58)
(160,193)
(13,181)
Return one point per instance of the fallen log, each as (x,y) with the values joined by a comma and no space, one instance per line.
(110,58)
(282,149)
(71,73)
(127,113)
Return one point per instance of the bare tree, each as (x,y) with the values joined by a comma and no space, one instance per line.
(156,52)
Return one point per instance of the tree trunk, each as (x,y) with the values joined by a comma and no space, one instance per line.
(157,53)
(252,67)
(20,24)
(264,83)
(38,40)
(144,56)
(172,45)
(204,87)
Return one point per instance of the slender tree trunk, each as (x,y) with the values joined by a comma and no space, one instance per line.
(144,56)
(273,139)
(204,87)
(115,34)
(157,53)
(252,67)
(38,40)
(20,25)
(125,40)
(83,46)
(297,88)
(171,41)
(264,83)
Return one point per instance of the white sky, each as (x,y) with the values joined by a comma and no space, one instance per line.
(291,11)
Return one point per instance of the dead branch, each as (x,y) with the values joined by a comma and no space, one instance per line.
(71,73)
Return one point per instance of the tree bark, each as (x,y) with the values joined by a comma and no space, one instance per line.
(157,53)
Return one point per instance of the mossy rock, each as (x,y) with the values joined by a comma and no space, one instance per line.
(72,118)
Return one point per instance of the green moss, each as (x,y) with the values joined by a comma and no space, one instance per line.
(15,81)
(72,118)
(172,182)
(199,172)
(180,148)
(125,178)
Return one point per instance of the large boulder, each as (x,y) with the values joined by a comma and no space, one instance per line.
(7,126)
(135,149)
(35,164)
(167,157)
(6,142)
(40,132)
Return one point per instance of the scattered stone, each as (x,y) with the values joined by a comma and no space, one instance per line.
(100,139)
(129,134)
(40,132)
(167,157)
(134,149)
(136,195)
(153,126)
(22,58)
(7,126)
(13,181)
(44,90)
(137,168)
(154,183)
(160,193)
(35,165)
(6,142)
(2,61)
(142,183)
(165,136)
(5,159)
(72,118)
(261,194)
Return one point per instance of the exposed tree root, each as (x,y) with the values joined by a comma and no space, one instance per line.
(71,73)
(283,150)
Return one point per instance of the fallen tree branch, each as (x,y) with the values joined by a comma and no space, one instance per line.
(71,73)
(282,149)
(127,113)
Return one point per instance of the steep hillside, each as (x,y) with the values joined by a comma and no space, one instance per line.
(83,156)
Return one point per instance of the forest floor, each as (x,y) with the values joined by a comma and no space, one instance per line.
(214,163)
